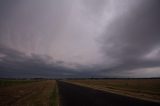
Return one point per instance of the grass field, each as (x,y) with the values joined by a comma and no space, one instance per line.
(141,88)
(28,93)
(45,92)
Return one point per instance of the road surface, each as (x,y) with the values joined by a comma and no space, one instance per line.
(75,95)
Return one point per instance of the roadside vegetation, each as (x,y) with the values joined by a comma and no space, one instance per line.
(54,98)
(28,93)
(141,88)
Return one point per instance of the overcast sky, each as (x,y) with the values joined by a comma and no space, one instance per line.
(79,38)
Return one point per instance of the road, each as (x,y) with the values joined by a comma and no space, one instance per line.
(75,95)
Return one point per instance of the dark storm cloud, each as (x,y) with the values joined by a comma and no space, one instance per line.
(16,64)
(132,36)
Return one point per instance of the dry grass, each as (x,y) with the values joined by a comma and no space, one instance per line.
(141,88)
(27,94)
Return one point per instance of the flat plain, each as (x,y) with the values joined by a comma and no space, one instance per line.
(27,92)
(84,92)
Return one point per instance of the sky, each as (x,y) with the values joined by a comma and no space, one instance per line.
(79,38)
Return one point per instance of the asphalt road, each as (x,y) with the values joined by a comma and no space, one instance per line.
(74,95)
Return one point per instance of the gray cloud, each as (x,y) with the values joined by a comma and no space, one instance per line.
(82,38)
(16,64)
(131,37)
(53,28)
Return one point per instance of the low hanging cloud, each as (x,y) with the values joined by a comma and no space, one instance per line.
(16,64)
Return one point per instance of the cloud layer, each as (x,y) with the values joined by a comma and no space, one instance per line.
(132,40)
(82,38)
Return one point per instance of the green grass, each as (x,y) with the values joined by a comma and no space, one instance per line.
(54,97)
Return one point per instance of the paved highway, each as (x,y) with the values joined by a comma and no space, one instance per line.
(75,95)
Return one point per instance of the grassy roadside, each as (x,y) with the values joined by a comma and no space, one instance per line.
(54,96)
(147,89)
